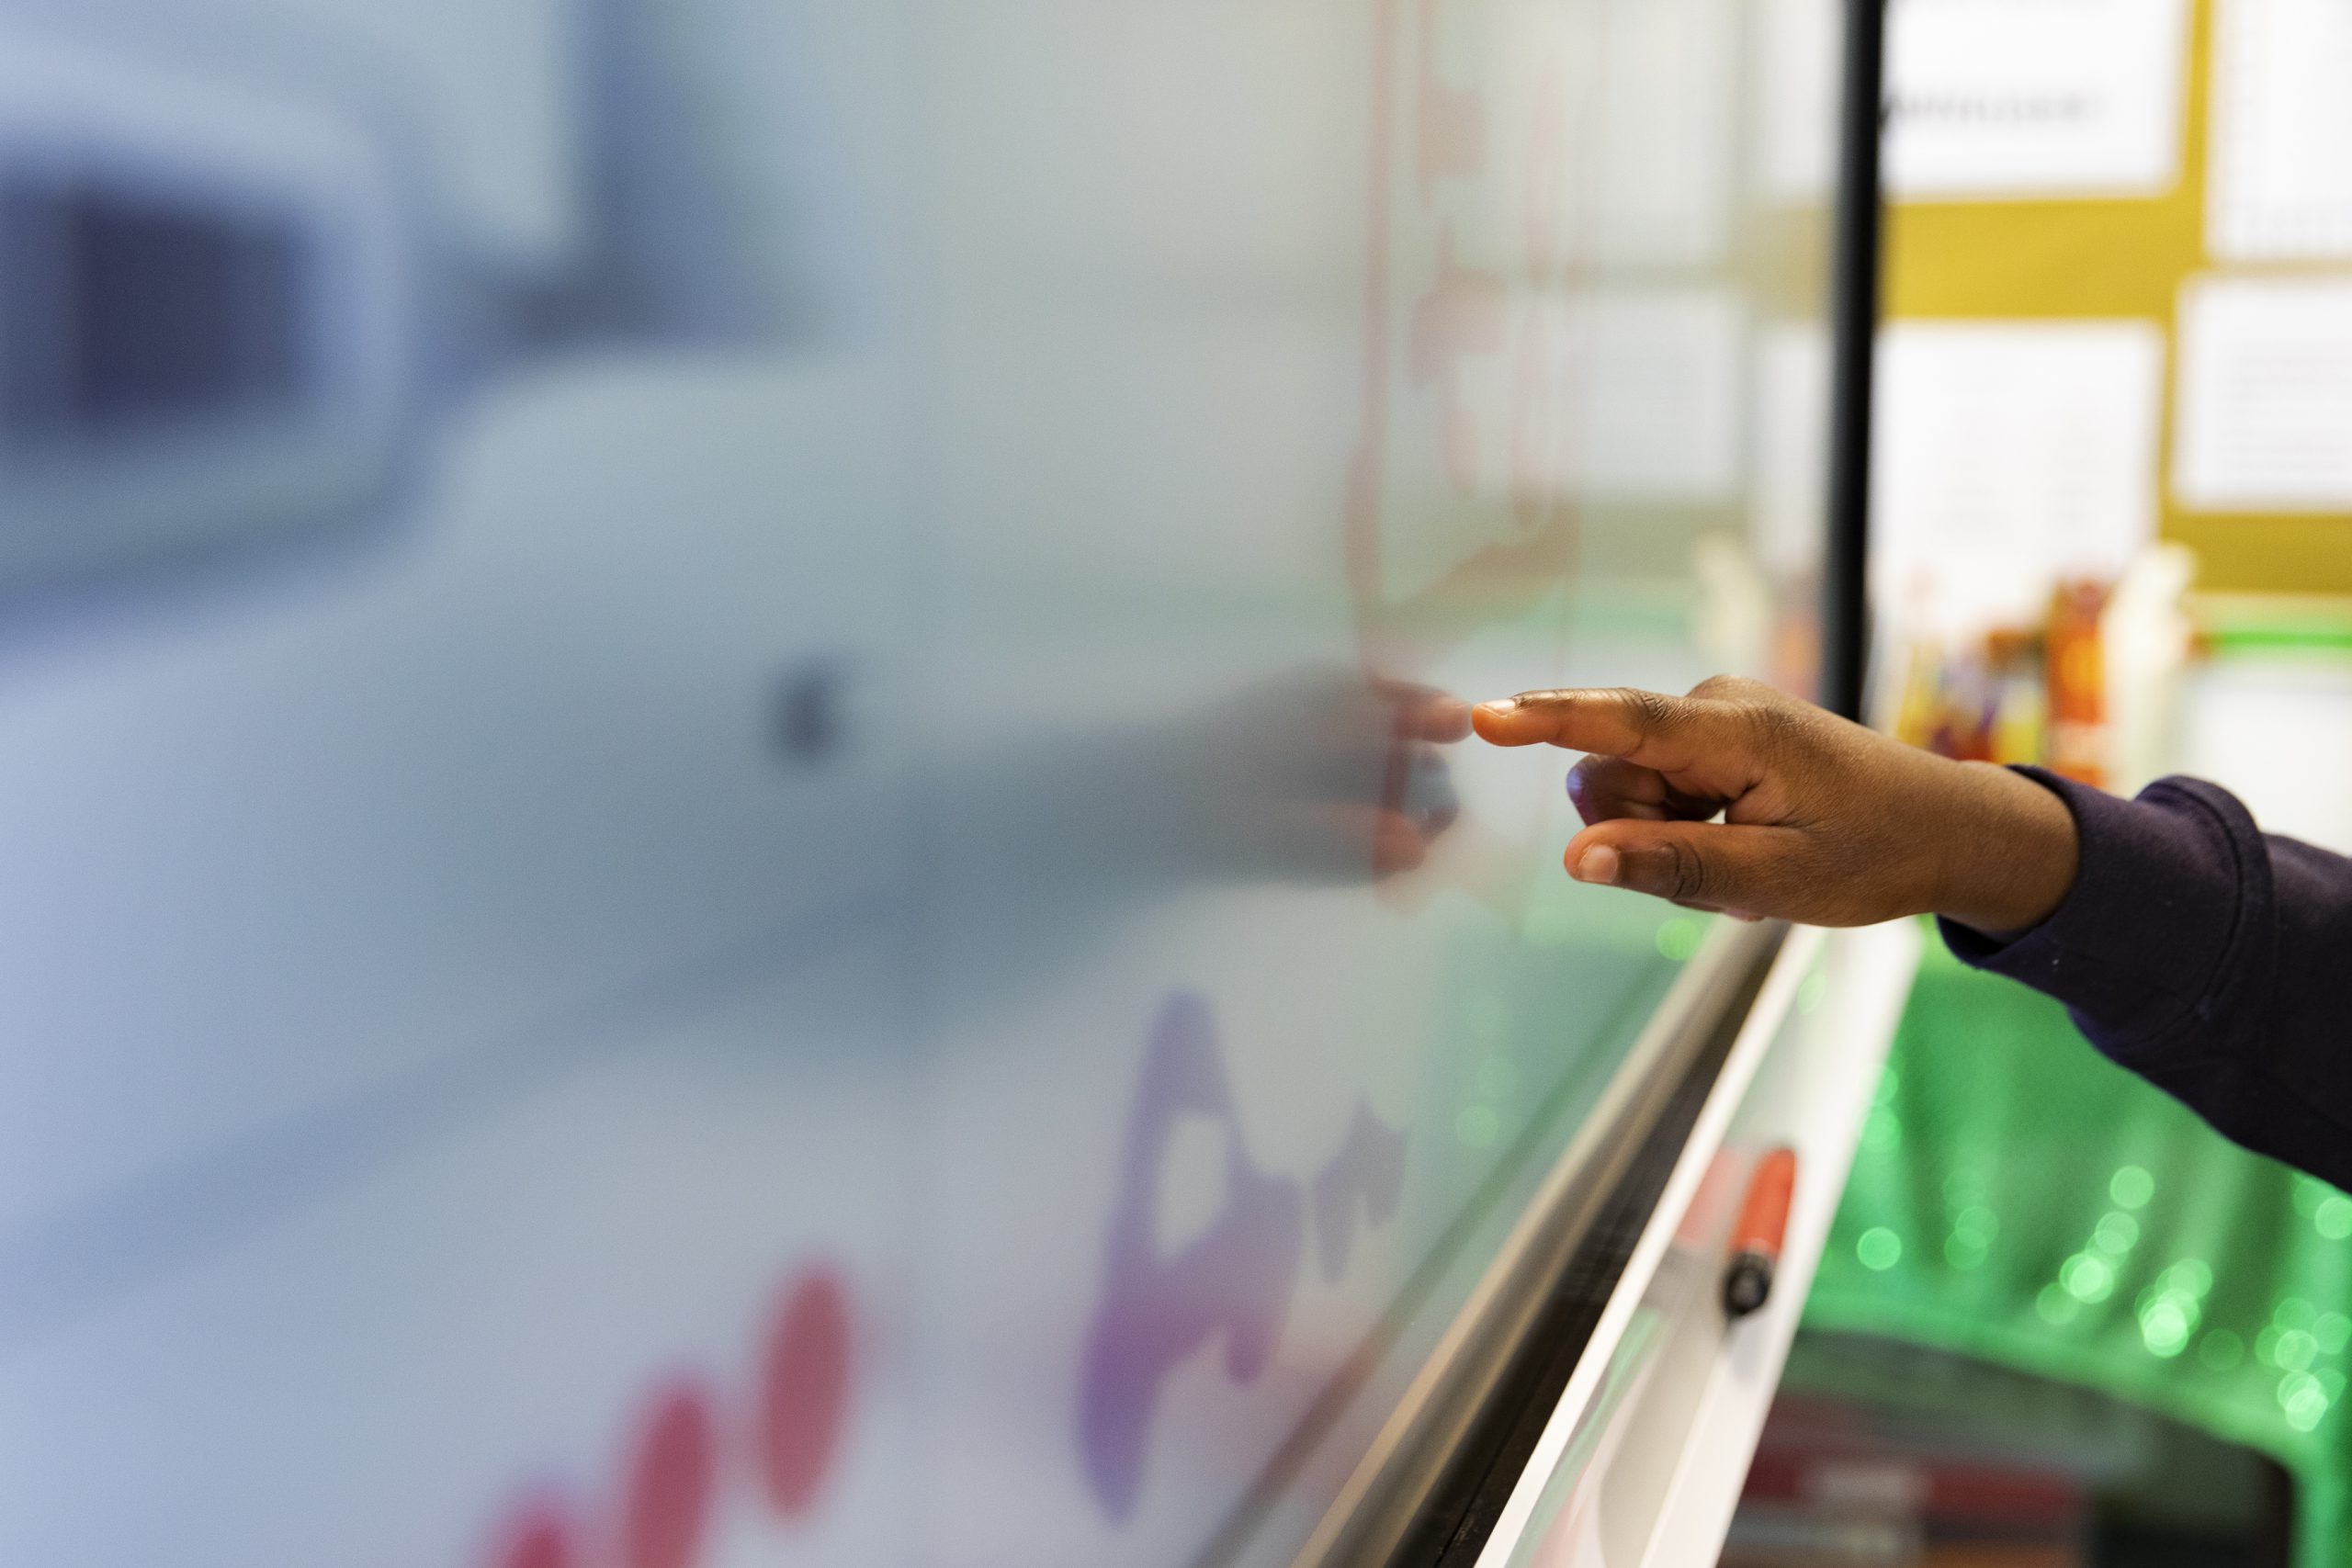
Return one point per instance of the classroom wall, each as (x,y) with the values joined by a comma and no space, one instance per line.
(2005,95)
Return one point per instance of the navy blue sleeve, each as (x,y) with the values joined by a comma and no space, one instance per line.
(2210,958)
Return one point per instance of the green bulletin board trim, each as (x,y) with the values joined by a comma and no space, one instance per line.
(2269,624)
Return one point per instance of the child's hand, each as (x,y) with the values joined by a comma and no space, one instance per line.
(1824,821)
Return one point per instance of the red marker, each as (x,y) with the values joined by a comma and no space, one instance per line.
(1755,1240)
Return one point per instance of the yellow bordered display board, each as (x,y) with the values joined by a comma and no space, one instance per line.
(2124,258)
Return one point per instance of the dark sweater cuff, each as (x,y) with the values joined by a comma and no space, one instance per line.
(2140,942)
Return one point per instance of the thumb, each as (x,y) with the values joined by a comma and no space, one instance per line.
(1714,865)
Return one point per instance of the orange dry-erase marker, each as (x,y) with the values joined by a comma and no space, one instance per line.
(1755,1240)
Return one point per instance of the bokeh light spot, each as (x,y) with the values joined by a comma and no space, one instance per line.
(2131,1186)
(2087,1278)
(1810,994)
(1497,1078)
(2303,1400)
(1881,1131)
(2164,1328)
(1678,938)
(2191,1275)
(2220,1351)
(2116,1233)
(1878,1249)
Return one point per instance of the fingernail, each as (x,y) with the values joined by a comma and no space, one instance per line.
(1501,704)
(1598,864)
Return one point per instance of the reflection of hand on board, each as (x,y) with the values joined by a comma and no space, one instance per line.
(1317,775)
(1075,833)
(1460,513)
(1327,777)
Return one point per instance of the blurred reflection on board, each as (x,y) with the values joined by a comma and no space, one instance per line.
(731,829)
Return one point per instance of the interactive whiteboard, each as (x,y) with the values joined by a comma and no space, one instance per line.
(732,827)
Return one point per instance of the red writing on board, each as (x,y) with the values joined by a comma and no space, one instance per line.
(694,1437)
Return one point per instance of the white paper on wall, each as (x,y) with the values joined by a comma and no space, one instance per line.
(2009,455)
(2034,99)
(2265,414)
(2277,732)
(2281,180)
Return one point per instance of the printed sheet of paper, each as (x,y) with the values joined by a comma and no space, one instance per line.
(2034,99)
(2009,455)
(2265,401)
(2280,183)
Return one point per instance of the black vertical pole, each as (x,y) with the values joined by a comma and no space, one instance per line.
(1845,593)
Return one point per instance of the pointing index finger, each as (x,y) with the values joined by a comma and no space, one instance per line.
(1646,728)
